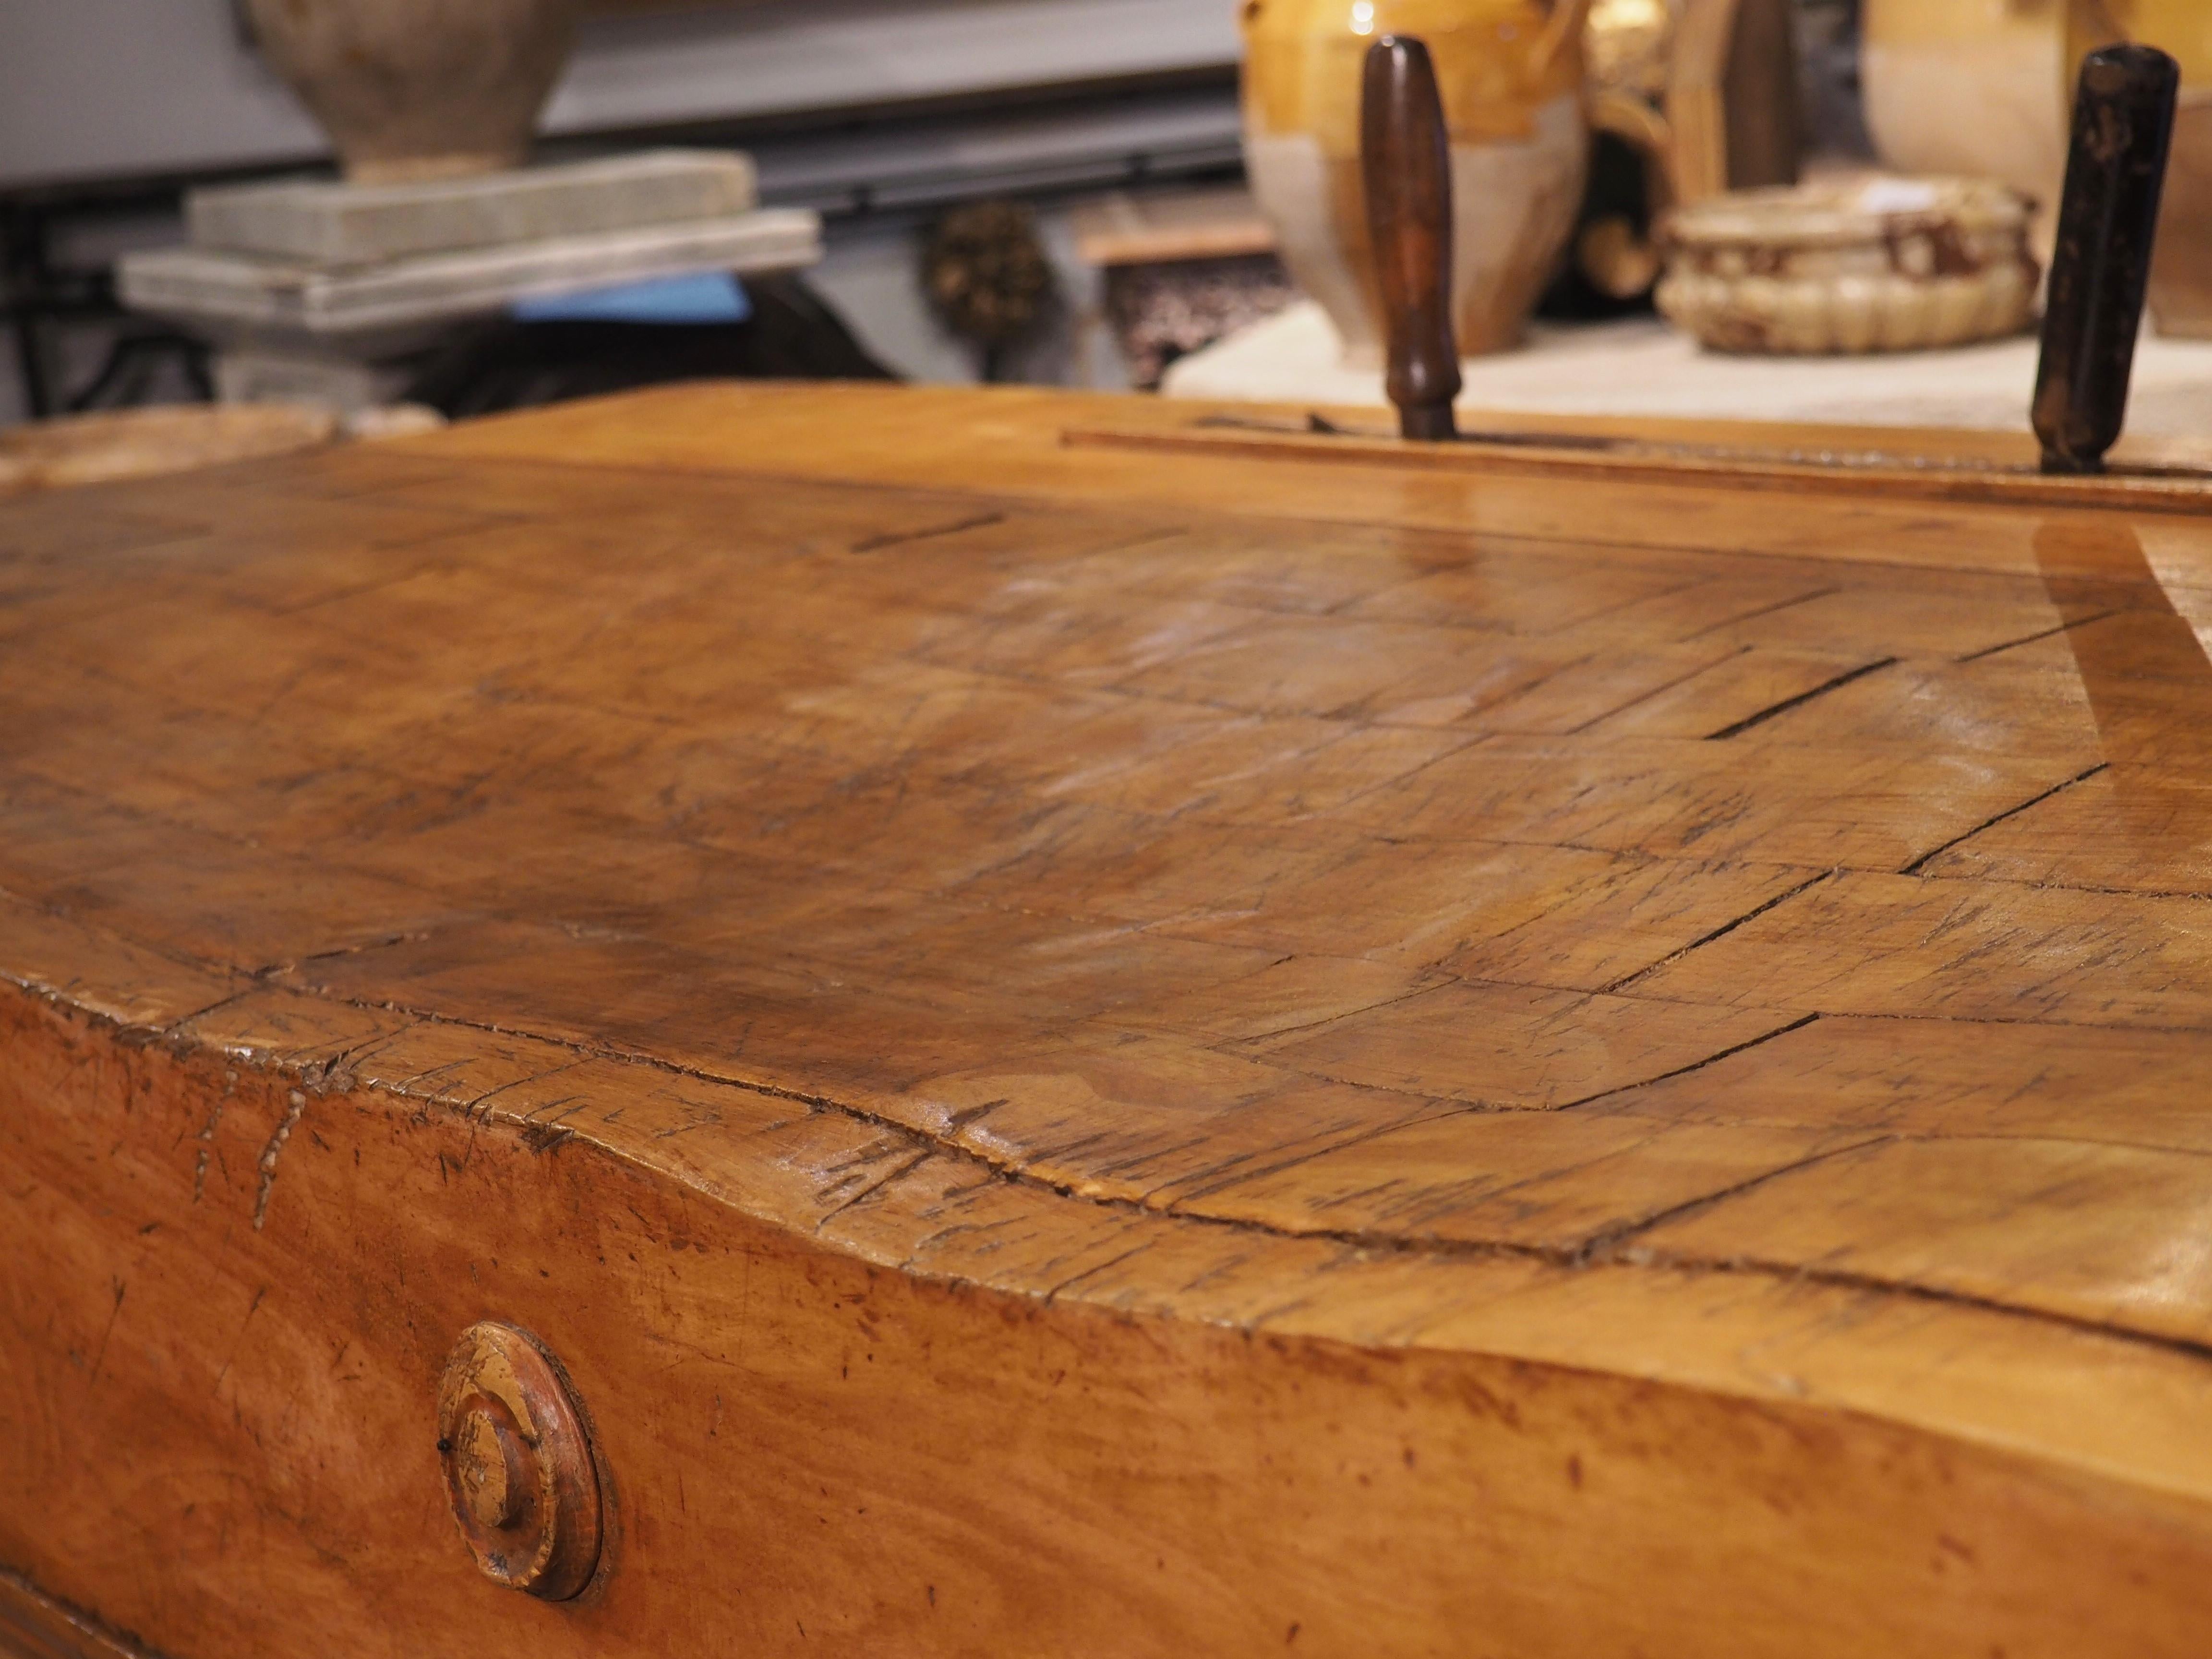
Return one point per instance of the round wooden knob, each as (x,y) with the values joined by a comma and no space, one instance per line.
(518,1465)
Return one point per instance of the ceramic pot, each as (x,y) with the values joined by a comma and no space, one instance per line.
(2181,264)
(1891,264)
(1985,88)
(1976,88)
(1511,75)
(420,88)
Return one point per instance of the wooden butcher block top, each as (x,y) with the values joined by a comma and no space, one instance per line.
(1087,1050)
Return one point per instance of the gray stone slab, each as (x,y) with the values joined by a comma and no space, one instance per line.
(324,222)
(227,293)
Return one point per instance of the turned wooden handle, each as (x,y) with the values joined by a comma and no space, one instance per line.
(1405,157)
(2107,222)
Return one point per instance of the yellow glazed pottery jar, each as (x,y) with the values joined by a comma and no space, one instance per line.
(2181,267)
(1971,87)
(1511,75)
(1985,88)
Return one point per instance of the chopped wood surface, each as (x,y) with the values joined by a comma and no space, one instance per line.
(1093,1051)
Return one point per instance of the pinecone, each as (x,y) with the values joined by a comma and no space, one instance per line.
(986,272)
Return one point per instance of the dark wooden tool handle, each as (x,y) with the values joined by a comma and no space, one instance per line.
(1405,157)
(2107,221)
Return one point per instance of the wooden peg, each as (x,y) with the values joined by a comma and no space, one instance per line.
(519,1464)
(1406,168)
(2107,220)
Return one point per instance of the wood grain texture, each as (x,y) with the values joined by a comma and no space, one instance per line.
(1878,464)
(36,1626)
(1406,174)
(1086,1052)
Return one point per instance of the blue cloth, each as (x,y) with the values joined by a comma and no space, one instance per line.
(711,297)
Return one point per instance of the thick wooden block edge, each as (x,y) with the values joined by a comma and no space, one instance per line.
(34,1625)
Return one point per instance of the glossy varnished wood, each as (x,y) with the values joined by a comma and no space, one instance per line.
(1961,469)
(2123,136)
(1406,168)
(1078,1051)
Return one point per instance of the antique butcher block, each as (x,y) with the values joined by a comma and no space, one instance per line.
(776,1021)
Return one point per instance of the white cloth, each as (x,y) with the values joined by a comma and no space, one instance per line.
(1641,366)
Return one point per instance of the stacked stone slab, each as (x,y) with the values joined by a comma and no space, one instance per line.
(312,288)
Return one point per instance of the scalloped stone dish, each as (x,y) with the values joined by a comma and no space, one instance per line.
(1885,265)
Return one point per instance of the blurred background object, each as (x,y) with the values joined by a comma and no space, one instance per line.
(1511,74)
(1711,86)
(1110,130)
(1706,95)
(775,329)
(1976,87)
(340,291)
(2181,272)
(1985,87)
(877,115)
(988,278)
(1887,264)
(1833,110)
(1182,270)
(141,443)
(411,89)
(1867,299)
